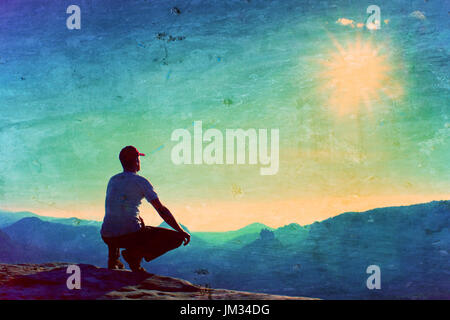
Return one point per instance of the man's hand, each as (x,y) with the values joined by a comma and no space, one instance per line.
(186,237)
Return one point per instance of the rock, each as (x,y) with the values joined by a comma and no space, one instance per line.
(48,281)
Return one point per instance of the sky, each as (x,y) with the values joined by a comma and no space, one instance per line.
(362,114)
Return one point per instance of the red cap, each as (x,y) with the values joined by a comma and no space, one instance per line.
(129,152)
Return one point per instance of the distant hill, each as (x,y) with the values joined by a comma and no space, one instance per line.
(58,242)
(12,252)
(8,249)
(244,235)
(291,233)
(8,218)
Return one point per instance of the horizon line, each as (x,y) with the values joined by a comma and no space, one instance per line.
(256,222)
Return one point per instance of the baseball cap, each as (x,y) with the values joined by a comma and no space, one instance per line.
(129,152)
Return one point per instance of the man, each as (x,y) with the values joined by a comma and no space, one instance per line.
(123,227)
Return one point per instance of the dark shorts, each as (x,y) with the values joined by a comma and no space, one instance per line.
(149,242)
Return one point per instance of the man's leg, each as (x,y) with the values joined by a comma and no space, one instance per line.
(113,258)
(148,243)
(133,257)
(113,255)
(132,253)
(157,241)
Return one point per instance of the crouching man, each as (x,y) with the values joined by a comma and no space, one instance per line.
(123,227)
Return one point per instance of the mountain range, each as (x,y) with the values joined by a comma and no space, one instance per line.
(326,259)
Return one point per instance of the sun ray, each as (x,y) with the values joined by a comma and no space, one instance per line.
(355,74)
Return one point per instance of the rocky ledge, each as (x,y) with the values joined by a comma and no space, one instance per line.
(49,281)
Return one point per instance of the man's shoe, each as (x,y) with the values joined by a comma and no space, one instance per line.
(133,262)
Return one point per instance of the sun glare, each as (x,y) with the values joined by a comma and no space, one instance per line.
(354,75)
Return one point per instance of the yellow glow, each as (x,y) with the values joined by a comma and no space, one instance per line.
(212,215)
(346,22)
(373,25)
(355,75)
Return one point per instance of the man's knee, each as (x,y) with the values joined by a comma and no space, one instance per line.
(178,239)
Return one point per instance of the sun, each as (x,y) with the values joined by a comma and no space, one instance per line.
(354,75)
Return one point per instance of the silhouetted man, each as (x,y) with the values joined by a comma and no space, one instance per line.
(123,227)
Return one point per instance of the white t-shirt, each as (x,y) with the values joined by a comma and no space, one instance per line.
(123,197)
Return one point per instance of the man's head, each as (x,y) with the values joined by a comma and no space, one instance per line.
(129,157)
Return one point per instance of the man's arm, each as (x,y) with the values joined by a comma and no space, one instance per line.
(167,216)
